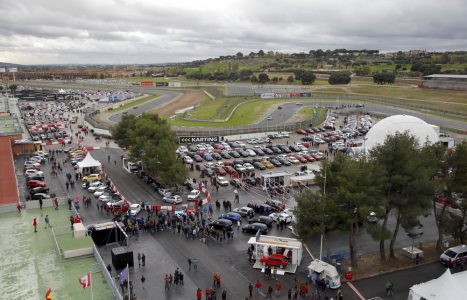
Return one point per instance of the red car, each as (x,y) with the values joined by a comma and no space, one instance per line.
(218,146)
(220,171)
(309,130)
(276,260)
(308,157)
(301,159)
(229,169)
(300,131)
(35,183)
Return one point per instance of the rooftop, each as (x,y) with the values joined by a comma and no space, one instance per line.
(9,125)
(30,264)
(451,76)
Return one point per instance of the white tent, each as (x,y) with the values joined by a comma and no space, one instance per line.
(447,286)
(89,165)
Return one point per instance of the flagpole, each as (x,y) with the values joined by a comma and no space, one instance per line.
(90,283)
(128,282)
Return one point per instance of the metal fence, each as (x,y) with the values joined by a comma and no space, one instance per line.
(57,247)
(110,281)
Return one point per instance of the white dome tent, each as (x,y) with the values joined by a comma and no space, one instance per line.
(422,131)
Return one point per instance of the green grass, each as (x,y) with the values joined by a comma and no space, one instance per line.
(447,67)
(134,103)
(68,242)
(29,264)
(151,79)
(218,109)
(246,114)
(306,112)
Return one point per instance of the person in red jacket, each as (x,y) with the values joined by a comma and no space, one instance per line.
(278,287)
(34,223)
(56,203)
(258,285)
(199,294)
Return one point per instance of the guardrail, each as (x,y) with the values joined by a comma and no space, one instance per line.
(110,281)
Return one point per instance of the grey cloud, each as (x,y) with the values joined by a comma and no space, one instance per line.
(139,31)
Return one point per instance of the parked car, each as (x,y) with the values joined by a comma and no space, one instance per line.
(92,177)
(194,195)
(41,196)
(278,216)
(244,211)
(220,171)
(221,224)
(173,199)
(263,219)
(35,183)
(250,181)
(452,255)
(232,216)
(254,227)
(188,160)
(39,189)
(267,164)
(135,209)
(33,172)
(274,260)
(259,166)
(164,192)
(222,181)
(93,186)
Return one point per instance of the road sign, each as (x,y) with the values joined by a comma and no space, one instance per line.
(2,70)
(12,70)
(198,139)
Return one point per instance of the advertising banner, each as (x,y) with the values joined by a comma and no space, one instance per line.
(292,95)
(162,84)
(146,83)
(267,95)
(175,84)
(305,94)
(198,139)
(12,70)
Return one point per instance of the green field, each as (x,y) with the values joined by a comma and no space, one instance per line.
(30,265)
(248,113)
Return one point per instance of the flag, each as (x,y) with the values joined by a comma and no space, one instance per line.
(124,275)
(48,295)
(85,281)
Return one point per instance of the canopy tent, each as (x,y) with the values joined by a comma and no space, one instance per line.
(447,286)
(89,165)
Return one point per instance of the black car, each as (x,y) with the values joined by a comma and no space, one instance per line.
(35,177)
(258,151)
(259,166)
(216,156)
(265,209)
(268,151)
(225,155)
(283,161)
(221,224)
(263,219)
(276,150)
(284,149)
(275,162)
(238,162)
(234,154)
(39,189)
(254,227)
(250,181)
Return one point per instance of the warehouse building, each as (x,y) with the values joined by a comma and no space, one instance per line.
(446,81)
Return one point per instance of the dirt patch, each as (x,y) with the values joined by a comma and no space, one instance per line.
(186,100)
(371,265)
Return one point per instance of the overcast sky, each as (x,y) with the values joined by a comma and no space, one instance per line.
(156,31)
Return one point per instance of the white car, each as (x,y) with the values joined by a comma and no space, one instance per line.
(33,172)
(219,164)
(240,168)
(248,166)
(135,209)
(93,186)
(100,191)
(279,216)
(188,160)
(244,211)
(194,195)
(164,192)
(293,160)
(173,199)
(222,181)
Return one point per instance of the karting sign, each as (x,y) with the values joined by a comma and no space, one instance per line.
(198,139)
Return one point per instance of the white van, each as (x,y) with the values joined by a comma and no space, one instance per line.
(453,254)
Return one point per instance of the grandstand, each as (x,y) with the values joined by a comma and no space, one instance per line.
(446,81)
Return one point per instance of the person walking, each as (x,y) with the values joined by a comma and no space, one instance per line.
(195,264)
(250,290)
(47,222)
(224,295)
(143,259)
(34,224)
(189,264)
(258,285)
(180,278)
(166,282)
(19,207)
(139,259)
(40,203)
(56,203)
(269,293)
(143,279)
(278,287)
(199,294)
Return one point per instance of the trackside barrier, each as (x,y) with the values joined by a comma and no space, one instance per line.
(107,276)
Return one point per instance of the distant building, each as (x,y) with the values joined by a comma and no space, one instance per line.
(446,81)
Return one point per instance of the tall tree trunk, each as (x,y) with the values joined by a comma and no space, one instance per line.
(382,250)
(352,245)
(439,219)
(394,235)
